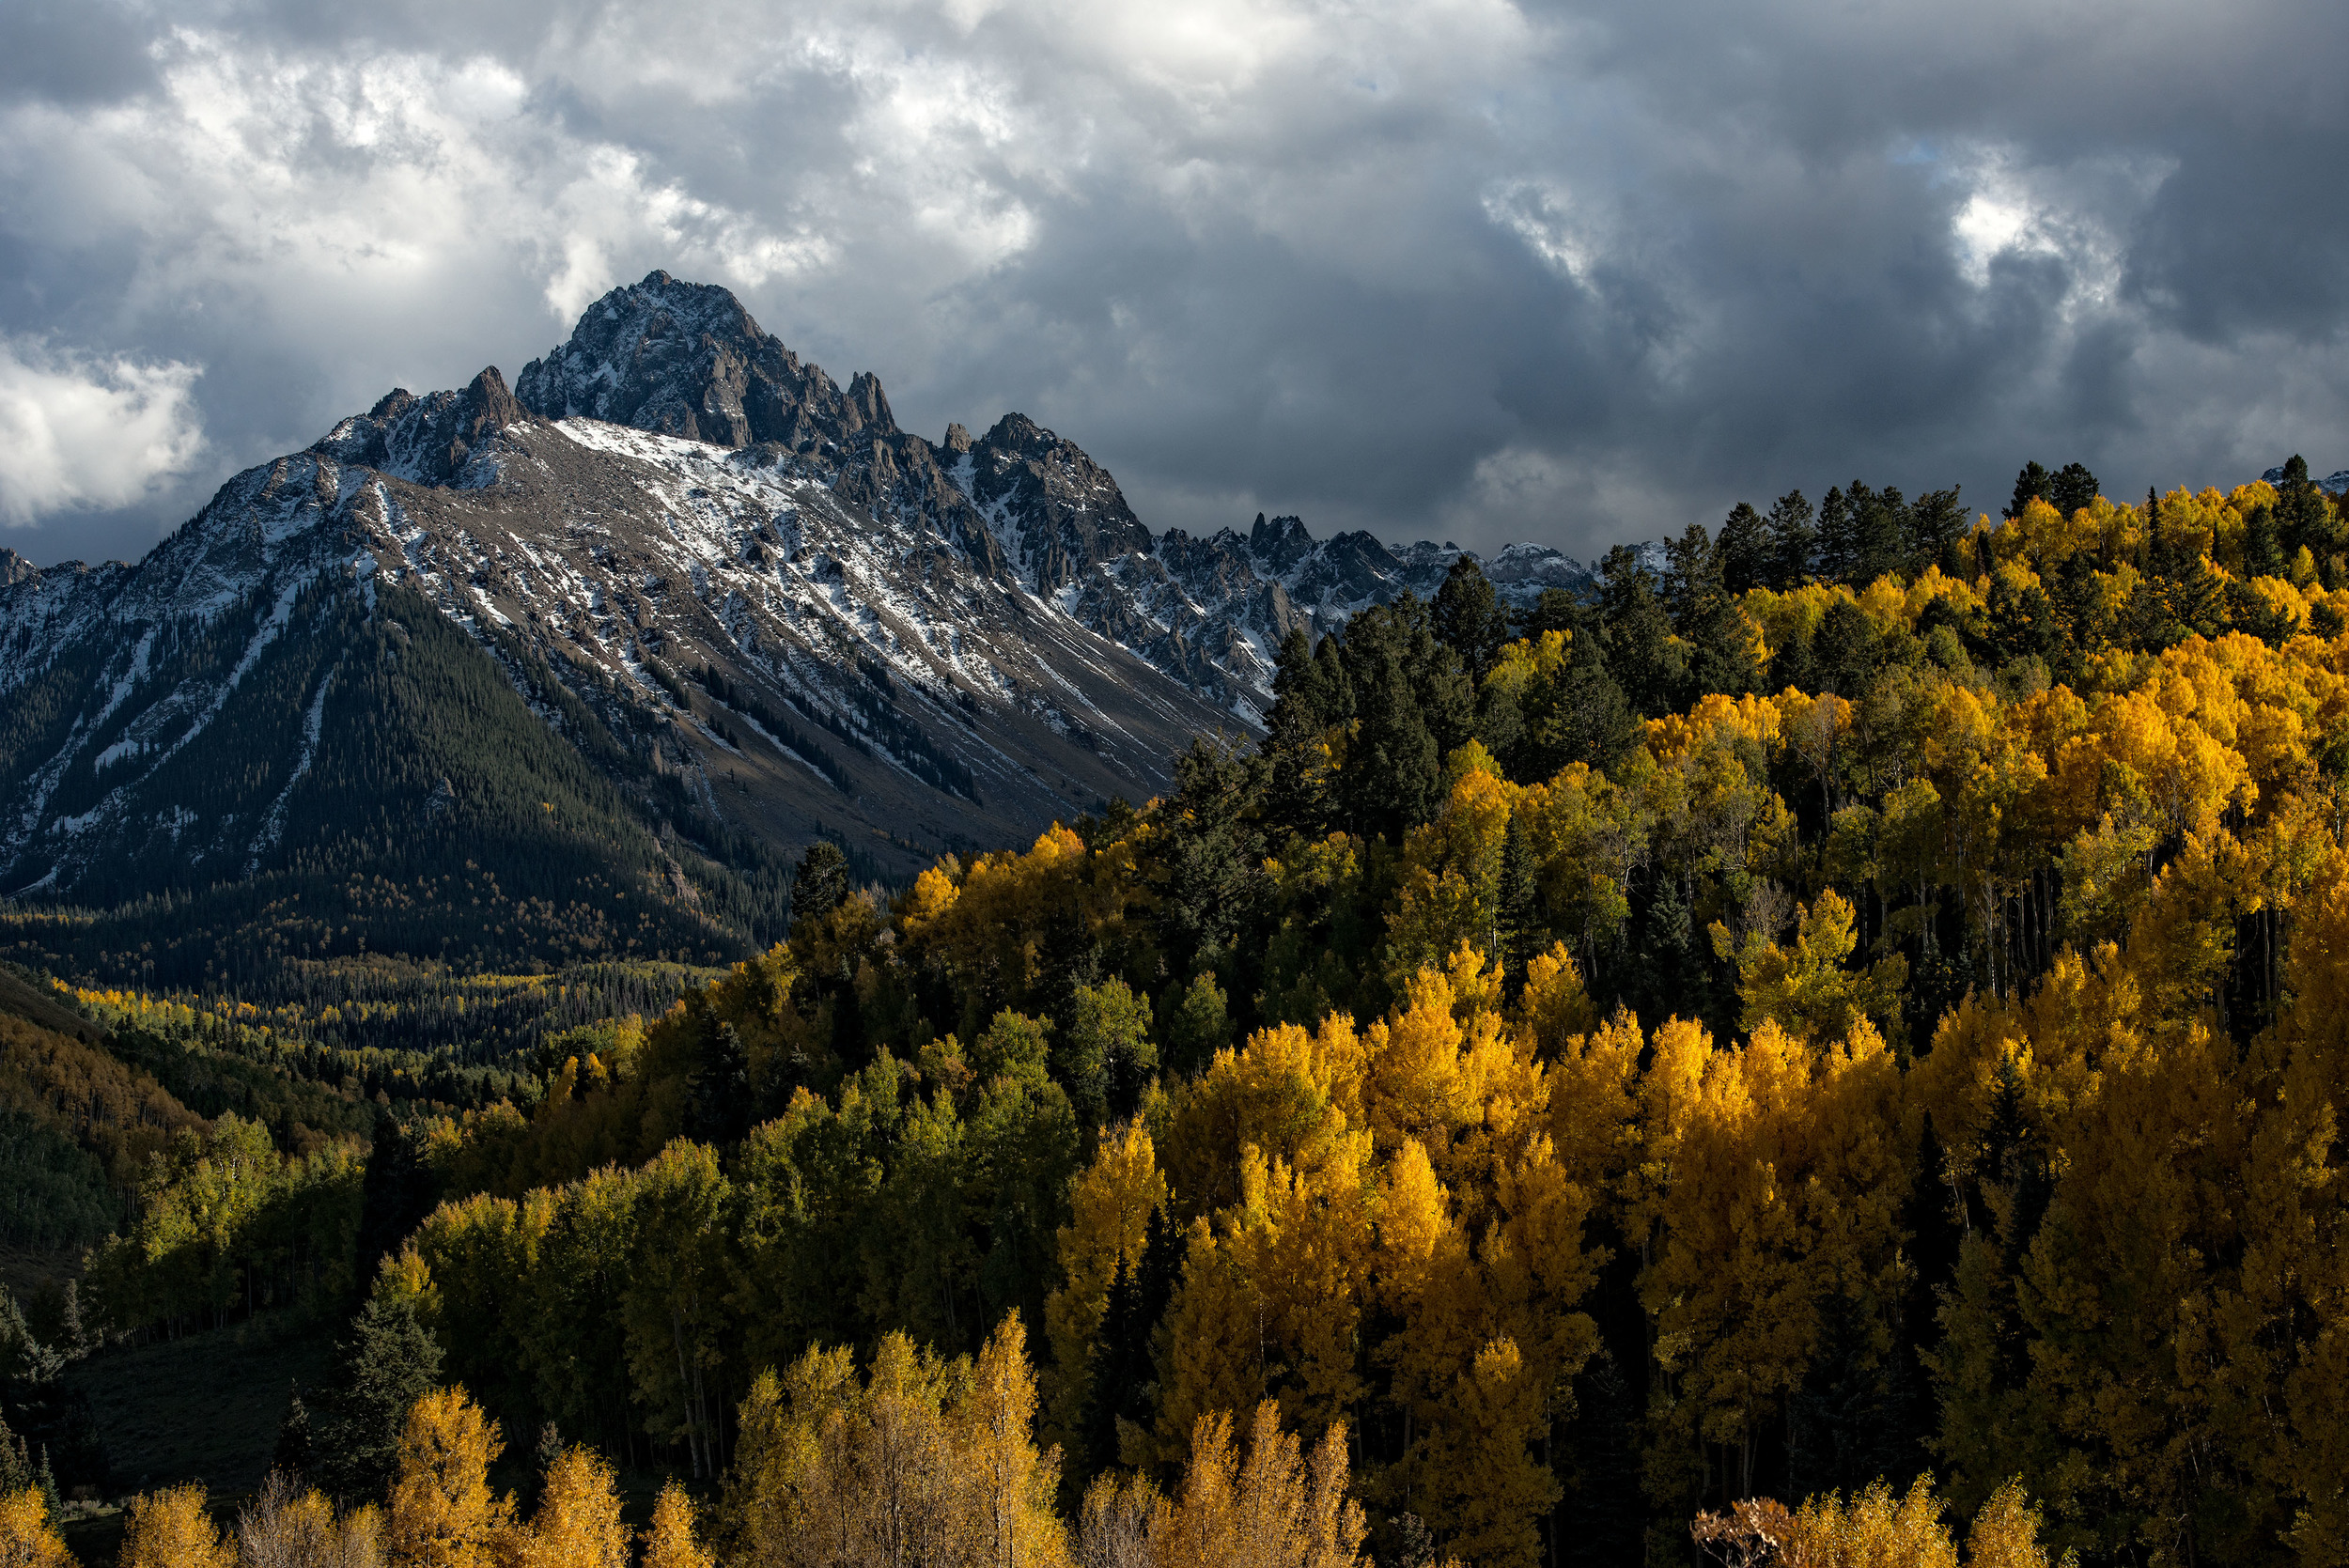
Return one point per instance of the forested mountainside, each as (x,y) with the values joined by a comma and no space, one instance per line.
(1848,1017)
(519,681)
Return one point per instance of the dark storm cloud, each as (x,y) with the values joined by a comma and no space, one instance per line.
(1466,270)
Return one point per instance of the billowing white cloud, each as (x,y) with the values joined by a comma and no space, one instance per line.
(1470,268)
(81,432)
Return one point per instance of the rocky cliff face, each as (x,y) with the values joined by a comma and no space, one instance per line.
(745,576)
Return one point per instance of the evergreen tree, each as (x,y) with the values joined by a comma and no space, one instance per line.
(17,1471)
(1309,697)
(2304,521)
(1556,610)
(2183,577)
(1745,551)
(1469,618)
(294,1455)
(2262,551)
(1794,541)
(394,1196)
(1582,717)
(383,1364)
(1844,647)
(1707,619)
(718,1103)
(1693,576)
(2031,484)
(1637,633)
(1936,525)
(1879,531)
(1120,1388)
(1413,704)
(2071,490)
(1839,538)
(2023,623)
(821,886)
(22,1358)
(1209,881)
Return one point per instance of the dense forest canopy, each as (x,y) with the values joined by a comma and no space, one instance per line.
(1849,1011)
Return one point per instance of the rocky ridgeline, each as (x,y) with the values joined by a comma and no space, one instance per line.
(749,573)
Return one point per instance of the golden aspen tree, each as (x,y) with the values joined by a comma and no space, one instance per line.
(577,1522)
(1114,1522)
(360,1535)
(763,1513)
(1538,1273)
(283,1526)
(675,1292)
(1332,1525)
(907,1484)
(1554,1006)
(1011,1484)
(1285,1093)
(2005,1533)
(170,1529)
(28,1538)
(1668,1098)
(1875,1529)
(669,1539)
(2288,1338)
(1272,1505)
(1270,1488)
(1110,1210)
(1416,1088)
(1808,992)
(1787,1187)
(1477,1480)
(442,1513)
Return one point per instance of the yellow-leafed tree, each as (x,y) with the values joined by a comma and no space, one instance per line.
(577,1524)
(443,1512)
(669,1541)
(28,1538)
(170,1529)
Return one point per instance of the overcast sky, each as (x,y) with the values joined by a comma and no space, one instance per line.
(1463,270)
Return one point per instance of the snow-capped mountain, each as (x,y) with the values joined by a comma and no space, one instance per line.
(681,546)
(2337,482)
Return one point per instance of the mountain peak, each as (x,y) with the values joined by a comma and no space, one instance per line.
(686,359)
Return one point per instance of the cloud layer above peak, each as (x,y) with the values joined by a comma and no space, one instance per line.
(1451,269)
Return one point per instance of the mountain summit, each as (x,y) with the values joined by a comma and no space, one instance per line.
(667,607)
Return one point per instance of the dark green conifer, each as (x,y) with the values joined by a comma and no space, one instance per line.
(1744,550)
(1556,610)
(1879,531)
(2304,521)
(1718,642)
(1794,541)
(821,885)
(1637,629)
(2071,490)
(1413,704)
(383,1364)
(718,1093)
(1469,618)
(2262,551)
(396,1195)
(1309,695)
(2030,484)
(1839,538)
(294,1453)
(1936,526)
(1844,648)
